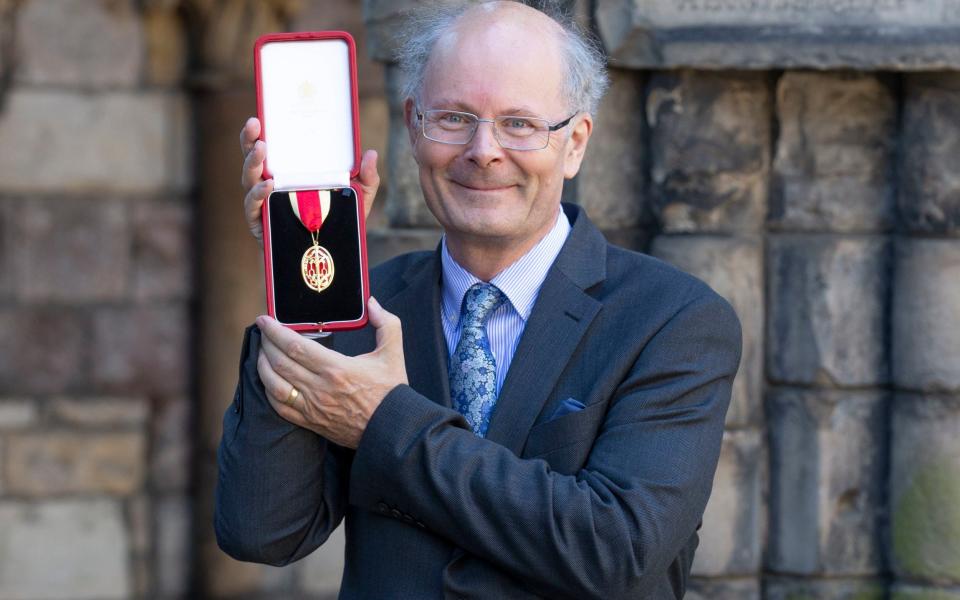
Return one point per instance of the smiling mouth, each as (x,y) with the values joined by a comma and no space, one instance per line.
(484,188)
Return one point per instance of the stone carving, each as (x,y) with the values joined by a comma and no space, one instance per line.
(902,34)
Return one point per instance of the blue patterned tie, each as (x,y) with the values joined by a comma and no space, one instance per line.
(473,370)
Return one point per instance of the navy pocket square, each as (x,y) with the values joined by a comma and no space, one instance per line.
(570,405)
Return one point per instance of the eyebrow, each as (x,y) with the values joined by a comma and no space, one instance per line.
(516,110)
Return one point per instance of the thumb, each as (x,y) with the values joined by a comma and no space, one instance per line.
(387,325)
(369,180)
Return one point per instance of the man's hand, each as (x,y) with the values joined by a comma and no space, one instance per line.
(337,394)
(257,188)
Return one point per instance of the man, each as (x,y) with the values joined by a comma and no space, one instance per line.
(543,415)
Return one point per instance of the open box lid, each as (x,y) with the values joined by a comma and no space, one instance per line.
(307,105)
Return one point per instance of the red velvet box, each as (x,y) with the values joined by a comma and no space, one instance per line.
(307,105)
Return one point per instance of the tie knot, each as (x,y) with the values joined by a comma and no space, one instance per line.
(479,302)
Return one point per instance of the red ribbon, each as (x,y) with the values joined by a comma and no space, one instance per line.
(308,202)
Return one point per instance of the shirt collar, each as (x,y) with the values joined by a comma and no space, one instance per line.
(520,282)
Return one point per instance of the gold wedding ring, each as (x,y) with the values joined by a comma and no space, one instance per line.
(292,396)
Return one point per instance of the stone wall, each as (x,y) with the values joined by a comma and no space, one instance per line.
(95,295)
(819,191)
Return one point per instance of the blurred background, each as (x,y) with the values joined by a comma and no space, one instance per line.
(802,157)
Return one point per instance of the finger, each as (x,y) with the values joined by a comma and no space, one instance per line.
(314,357)
(369,179)
(277,388)
(387,325)
(252,172)
(249,134)
(253,201)
(253,207)
(284,366)
(288,412)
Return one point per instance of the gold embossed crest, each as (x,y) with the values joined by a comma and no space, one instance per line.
(317,268)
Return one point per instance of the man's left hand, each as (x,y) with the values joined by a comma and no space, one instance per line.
(336,394)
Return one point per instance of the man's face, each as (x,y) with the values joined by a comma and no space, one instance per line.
(480,192)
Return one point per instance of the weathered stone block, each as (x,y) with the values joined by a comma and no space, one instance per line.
(710,140)
(43,349)
(17,413)
(320,572)
(826,310)
(162,251)
(142,577)
(702,588)
(731,537)
(776,588)
(74,142)
(821,33)
(141,350)
(173,545)
(404,202)
(72,251)
(7,249)
(926,314)
(63,463)
(171,447)
(925,489)
(734,268)
(63,550)
(930,157)
(181,143)
(100,412)
(384,244)
(828,459)
(375,129)
(610,185)
(833,164)
(916,592)
(79,43)
(140,518)
(166,45)
(225,27)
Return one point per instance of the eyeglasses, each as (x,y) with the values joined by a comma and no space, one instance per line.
(511,131)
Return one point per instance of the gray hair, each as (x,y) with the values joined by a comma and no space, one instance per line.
(585,79)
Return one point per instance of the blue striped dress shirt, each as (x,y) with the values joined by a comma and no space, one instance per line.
(520,283)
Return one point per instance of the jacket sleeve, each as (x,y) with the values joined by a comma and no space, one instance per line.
(608,530)
(281,489)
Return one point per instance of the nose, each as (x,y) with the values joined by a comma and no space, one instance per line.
(484,150)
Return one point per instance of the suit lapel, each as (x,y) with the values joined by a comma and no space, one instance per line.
(561,316)
(424,347)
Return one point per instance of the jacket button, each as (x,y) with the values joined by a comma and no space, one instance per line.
(382,507)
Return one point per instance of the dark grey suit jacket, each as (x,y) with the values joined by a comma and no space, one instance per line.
(557,501)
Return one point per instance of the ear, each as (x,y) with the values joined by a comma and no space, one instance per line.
(410,118)
(577,144)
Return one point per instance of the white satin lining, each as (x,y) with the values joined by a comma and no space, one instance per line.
(307,113)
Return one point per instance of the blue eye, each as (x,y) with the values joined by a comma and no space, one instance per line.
(514,123)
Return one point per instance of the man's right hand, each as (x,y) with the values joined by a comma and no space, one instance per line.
(257,188)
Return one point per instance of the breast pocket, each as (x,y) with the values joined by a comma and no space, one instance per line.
(571,429)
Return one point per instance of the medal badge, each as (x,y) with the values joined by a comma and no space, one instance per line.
(312,208)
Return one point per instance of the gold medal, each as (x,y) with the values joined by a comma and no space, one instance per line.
(317,266)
